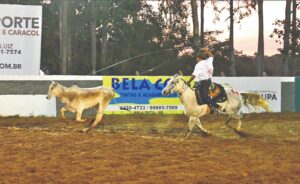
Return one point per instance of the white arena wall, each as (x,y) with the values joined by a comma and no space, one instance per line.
(26,95)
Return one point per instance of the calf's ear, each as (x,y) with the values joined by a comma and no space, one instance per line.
(53,83)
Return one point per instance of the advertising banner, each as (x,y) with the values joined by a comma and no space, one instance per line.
(268,87)
(20,39)
(142,94)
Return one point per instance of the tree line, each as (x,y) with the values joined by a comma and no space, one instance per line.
(130,37)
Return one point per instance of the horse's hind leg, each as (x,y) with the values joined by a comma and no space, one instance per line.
(227,120)
(239,124)
(239,117)
(239,131)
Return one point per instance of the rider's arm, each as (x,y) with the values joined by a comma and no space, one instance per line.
(191,78)
(208,52)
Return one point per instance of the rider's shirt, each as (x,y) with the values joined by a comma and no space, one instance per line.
(204,70)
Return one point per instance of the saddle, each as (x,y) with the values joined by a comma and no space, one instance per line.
(216,92)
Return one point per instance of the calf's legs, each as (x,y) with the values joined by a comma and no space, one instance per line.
(99,116)
(78,115)
(66,108)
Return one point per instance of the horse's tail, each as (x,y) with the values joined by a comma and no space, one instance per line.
(256,101)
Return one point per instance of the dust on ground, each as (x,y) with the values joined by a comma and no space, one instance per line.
(149,149)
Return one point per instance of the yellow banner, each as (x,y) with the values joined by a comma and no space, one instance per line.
(141,95)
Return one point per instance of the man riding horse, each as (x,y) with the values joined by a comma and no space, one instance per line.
(202,75)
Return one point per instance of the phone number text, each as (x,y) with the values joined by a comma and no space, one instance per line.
(149,108)
(10,51)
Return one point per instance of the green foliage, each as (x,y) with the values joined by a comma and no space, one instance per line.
(244,8)
(50,54)
(278,35)
(128,28)
(125,29)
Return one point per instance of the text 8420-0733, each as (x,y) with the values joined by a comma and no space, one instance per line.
(134,107)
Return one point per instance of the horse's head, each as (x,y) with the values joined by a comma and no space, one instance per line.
(53,90)
(175,84)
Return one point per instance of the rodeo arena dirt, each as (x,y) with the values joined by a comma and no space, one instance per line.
(150,149)
(149,92)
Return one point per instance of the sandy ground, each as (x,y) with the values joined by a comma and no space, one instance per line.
(148,149)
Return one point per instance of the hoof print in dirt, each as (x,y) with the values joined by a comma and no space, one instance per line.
(206,134)
(241,133)
(85,130)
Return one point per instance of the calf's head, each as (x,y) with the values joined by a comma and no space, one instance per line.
(53,90)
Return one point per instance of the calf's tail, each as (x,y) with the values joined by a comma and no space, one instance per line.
(113,92)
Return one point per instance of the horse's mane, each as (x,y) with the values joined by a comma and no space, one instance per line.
(185,82)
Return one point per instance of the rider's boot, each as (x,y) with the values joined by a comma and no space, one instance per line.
(217,110)
(221,110)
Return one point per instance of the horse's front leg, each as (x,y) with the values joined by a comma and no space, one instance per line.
(198,123)
(191,125)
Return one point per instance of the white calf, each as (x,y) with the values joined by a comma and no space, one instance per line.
(77,99)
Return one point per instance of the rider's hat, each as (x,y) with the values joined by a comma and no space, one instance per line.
(200,53)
